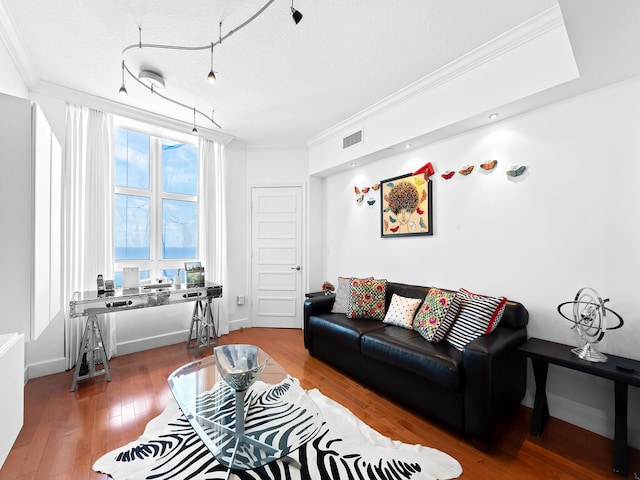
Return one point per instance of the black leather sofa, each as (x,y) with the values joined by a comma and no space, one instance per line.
(472,391)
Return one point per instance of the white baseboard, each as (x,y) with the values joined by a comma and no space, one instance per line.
(148,343)
(41,369)
(238,324)
(57,365)
(589,418)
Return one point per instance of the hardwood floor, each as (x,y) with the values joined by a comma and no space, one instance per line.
(65,432)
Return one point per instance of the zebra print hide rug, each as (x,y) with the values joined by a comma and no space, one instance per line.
(345,448)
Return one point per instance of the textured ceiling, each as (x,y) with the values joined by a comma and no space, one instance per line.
(278,83)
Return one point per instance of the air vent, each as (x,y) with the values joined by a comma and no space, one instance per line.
(352,139)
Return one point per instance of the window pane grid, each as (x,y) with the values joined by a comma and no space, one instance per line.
(131,232)
(155,224)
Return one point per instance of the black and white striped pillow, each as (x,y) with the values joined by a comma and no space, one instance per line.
(473,316)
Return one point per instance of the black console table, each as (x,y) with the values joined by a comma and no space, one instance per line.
(543,352)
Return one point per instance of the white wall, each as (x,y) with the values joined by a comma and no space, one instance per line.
(235,155)
(46,354)
(568,222)
(11,81)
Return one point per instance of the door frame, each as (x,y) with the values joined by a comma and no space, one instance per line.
(303,244)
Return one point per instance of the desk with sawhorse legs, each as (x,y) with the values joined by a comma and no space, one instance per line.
(92,350)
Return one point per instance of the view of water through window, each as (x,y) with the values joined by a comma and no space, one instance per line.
(155,204)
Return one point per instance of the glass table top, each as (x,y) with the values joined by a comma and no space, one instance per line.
(279,416)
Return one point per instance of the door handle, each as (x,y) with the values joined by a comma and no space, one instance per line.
(297,267)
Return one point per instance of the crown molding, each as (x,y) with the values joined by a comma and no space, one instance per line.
(273,147)
(12,40)
(519,35)
(127,111)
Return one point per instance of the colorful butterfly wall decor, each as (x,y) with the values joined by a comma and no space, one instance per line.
(489,165)
(426,170)
(362,191)
(516,171)
(448,174)
(466,170)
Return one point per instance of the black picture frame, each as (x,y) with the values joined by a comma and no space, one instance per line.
(406,206)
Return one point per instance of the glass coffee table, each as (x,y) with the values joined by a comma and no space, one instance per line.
(276,416)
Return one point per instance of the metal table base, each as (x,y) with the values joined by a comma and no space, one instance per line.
(92,353)
(202,327)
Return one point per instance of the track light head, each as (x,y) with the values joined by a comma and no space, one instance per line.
(212,76)
(194,130)
(123,90)
(297,16)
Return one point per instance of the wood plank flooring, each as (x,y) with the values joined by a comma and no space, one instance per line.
(65,432)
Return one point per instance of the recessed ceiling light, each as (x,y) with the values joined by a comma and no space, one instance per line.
(151,79)
(407,145)
(493,116)
(353,164)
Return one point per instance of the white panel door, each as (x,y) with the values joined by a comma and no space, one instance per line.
(276,255)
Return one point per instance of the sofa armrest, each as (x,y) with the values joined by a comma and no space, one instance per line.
(495,376)
(315,306)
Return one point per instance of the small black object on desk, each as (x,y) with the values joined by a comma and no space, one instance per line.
(623,371)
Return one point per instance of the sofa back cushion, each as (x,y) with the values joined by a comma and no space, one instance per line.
(515,315)
(404,290)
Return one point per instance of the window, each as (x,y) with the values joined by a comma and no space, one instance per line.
(155,204)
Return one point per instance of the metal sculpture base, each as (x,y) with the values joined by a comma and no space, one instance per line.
(590,353)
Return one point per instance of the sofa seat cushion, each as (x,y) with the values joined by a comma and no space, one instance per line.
(341,329)
(406,349)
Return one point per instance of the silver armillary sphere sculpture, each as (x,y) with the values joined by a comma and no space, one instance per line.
(590,321)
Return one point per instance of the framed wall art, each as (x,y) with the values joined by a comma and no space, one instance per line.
(406,206)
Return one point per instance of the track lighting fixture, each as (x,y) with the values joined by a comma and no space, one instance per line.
(212,76)
(297,16)
(123,90)
(194,130)
(154,82)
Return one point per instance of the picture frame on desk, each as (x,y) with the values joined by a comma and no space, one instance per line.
(194,272)
(191,265)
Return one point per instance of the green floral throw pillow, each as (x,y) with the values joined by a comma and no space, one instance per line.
(430,319)
(367,299)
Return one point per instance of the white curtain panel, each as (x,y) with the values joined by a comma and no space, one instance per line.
(87,217)
(213,225)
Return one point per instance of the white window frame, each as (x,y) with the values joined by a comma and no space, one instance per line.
(155,265)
